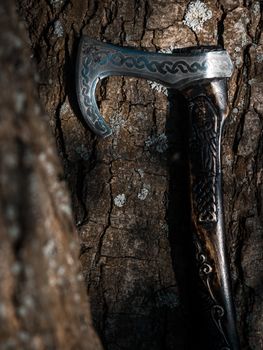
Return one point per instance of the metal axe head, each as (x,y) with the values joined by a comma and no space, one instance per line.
(184,67)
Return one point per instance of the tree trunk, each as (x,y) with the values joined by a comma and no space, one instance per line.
(129,191)
(42,300)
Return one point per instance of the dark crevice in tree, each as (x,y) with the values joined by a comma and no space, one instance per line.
(82,214)
(259,157)
(259,26)
(84,169)
(196,37)
(221,28)
(108,225)
(59,131)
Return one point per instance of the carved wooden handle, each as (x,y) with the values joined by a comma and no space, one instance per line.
(208,109)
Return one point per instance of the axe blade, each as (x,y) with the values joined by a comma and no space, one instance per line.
(182,68)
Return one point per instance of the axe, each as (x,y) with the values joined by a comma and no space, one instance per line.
(200,74)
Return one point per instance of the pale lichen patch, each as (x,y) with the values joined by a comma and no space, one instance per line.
(229,160)
(83,152)
(259,58)
(140,172)
(196,15)
(158,87)
(237,22)
(120,200)
(256,8)
(158,142)
(65,108)
(56,2)
(143,193)
(240,29)
(168,50)
(58,29)
(117,122)
(165,229)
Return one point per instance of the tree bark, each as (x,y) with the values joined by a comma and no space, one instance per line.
(42,300)
(129,191)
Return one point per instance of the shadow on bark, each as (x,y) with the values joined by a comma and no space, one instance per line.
(179,220)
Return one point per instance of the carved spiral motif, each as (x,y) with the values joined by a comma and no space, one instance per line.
(217,312)
(206,274)
(205,268)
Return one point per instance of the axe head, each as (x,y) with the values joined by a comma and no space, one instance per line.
(183,68)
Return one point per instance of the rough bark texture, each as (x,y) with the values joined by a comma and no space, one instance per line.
(43,304)
(128,191)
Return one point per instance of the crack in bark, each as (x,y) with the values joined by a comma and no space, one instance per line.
(220,26)
(108,225)
(90,15)
(59,130)
(145,18)
(246,73)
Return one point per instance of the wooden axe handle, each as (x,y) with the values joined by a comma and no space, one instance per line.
(208,109)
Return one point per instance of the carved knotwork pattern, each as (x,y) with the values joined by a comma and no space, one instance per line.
(104,57)
(204,153)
